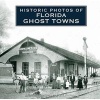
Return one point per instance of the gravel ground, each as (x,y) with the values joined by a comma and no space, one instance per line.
(8,92)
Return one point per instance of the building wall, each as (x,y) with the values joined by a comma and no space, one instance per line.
(31,58)
(81,69)
(53,56)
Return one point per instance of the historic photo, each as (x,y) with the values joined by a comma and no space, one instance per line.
(49,49)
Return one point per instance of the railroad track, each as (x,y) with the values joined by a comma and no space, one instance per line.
(74,94)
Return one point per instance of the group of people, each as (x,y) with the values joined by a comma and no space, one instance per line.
(22,80)
(82,80)
(56,84)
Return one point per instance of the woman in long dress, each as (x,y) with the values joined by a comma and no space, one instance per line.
(80,85)
(65,80)
(54,83)
(58,82)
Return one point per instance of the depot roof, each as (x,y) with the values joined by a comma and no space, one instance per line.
(67,54)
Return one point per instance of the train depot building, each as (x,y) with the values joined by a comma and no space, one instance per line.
(31,55)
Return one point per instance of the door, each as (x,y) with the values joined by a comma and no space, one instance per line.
(14,64)
(55,69)
(25,68)
(71,69)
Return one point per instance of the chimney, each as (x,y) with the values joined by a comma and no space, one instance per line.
(42,40)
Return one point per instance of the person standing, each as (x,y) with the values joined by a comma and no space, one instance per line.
(48,80)
(80,85)
(65,80)
(67,84)
(22,83)
(85,81)
(72,79)
(37,76)
(54,83)
(58,82)
(16,81)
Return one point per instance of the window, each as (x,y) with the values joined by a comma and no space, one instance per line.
(25,68)
(37,67)
(27,44)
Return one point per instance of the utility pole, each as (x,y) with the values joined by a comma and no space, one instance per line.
(85,54)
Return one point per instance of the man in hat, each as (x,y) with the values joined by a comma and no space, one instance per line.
(85,81)
(22,82)
(72,79)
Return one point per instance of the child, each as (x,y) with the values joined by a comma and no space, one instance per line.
(45,82)
(16,81)
(67,84)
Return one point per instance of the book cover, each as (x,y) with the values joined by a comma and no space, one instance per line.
(46,44)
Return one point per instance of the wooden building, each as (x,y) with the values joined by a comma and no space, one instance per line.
(31,55)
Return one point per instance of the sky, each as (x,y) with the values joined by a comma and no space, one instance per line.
(67,37)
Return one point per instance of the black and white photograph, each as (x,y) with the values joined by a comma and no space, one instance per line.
(40,59)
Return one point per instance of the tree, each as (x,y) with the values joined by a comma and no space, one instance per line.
(4,24)
(90,56)
(4,20)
